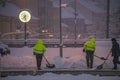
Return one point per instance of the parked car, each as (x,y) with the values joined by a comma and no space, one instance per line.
(4,49)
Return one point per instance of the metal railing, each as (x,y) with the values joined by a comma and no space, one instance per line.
(66,42)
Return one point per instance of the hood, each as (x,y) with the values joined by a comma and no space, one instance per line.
(40,41)
(92,39)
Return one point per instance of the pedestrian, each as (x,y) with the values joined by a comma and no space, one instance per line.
(39,50)
(89,48)
(115,52)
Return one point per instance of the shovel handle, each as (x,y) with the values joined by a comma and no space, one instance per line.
(102,58)
(46,59)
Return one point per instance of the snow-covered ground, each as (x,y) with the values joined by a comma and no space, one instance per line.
(73,58)
(51,76)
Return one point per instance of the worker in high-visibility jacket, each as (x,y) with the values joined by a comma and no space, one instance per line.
(39,50)
(89,48)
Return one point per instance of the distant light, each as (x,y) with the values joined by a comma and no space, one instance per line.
(51,35)
(63,5)
(44,31)
(79,35)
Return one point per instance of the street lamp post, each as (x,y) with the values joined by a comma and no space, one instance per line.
(25,17)
(25,26)
(75,20)
(107,18)
(61,44)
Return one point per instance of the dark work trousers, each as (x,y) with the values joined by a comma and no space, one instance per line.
(116,61)
(89,58)
(39,60)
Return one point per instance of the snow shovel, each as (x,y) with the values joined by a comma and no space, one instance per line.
(48,65)
(101,66)
(102,58)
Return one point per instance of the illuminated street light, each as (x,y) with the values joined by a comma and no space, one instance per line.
(25,17)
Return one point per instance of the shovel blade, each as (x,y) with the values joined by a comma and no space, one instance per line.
(100,67)
(50,65)
(103,58)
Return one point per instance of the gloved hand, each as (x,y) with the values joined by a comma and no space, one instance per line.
(83,50)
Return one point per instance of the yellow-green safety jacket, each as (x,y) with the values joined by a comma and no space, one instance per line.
(39,48)
(90,45)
